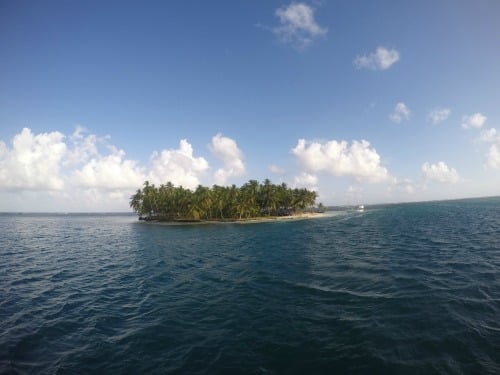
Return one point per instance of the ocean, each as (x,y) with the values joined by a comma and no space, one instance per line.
(396,289)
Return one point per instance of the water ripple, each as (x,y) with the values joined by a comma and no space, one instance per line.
(397,289)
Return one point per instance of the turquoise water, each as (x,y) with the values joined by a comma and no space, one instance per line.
(411,288)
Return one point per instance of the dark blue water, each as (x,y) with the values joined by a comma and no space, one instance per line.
(411,289)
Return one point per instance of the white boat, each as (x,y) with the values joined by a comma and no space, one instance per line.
(360,208)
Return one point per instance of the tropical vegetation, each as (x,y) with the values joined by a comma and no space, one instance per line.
(253,199)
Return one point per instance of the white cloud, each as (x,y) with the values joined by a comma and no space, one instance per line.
(109,172)
(400,113)
(438,115)
(306,180)
(492,137)
(178,166)
(276,169)
(439,172)
(489,136)
(381,59)
(297,25)
(33,162)
(353,194)
(49,171)
(227,150)
(339,159)
(83,146)
(407,185)
(476,120)
(493,156)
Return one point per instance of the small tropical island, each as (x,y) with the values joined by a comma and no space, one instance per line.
(251,201)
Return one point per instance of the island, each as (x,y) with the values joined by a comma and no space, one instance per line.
(251,201)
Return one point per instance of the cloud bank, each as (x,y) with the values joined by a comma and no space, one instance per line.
(381,59)
(109,172)
(86,171)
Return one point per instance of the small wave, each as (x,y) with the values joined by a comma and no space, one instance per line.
(355,293)
(399,289)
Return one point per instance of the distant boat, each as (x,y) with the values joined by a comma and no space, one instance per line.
(360,208)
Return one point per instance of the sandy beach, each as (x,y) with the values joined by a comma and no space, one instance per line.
(264,219)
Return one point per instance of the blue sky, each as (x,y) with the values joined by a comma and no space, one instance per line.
(366,102)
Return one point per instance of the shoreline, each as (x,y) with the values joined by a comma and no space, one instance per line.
(263,219)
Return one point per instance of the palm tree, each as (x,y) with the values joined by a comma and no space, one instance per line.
(202,201)
(183,203)
(233,201)
(250,200)
(283,199)
(136,202)
(149,199)
(218,200)
(249,196)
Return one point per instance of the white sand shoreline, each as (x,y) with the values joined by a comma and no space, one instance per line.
(303,216)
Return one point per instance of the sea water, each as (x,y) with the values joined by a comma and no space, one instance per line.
(409,288)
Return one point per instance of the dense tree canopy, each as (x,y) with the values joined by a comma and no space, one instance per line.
(253,199)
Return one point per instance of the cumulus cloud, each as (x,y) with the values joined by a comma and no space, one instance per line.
(400,113)
(227,150)
(439,172)
(493,157)
(381,59)
(178,166)
(489,136)
(476,121)
(492,137)
(82,146)
(357,160)
(306,180)
(109,172)
(84,171)
(438,115)
(297,25)
(33,162)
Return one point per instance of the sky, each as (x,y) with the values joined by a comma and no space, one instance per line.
(364,102)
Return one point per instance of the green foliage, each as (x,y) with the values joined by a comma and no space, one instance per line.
(168,202)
